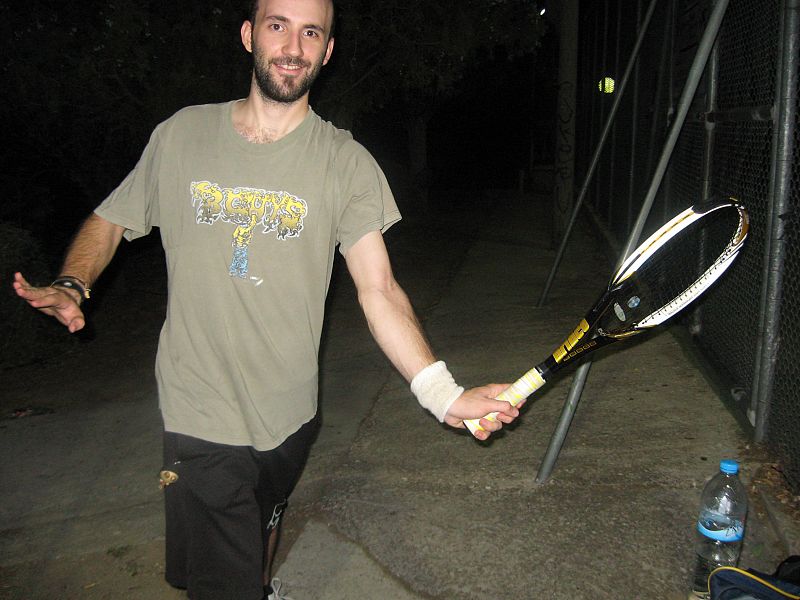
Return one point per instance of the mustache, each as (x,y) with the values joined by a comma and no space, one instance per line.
(289,61)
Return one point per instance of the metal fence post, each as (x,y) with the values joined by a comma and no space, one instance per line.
(780,187)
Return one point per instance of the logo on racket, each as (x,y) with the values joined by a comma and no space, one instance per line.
(571,341)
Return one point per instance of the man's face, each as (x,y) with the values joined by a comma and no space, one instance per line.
(289,42)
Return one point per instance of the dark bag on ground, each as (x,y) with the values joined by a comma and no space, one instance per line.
(730,583)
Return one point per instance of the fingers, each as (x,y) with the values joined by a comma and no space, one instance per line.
(493,390)
(481,434)
(76,324)
(51,301)
(507,417)
(488,427)
(500,410)
(21,285)
(38,297)
(481,403)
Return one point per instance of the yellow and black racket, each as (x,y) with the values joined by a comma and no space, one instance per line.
(670,270)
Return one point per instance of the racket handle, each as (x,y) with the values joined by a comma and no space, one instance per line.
(514,394)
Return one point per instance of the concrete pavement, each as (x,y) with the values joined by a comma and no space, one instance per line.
(393,505)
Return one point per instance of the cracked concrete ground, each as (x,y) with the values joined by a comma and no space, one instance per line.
(393,505)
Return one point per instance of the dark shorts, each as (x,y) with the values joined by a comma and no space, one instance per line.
(221,509)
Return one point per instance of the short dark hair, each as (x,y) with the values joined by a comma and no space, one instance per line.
(252,12)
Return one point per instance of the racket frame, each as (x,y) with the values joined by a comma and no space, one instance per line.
(571,348)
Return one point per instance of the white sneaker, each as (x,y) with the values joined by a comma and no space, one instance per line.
(276,584)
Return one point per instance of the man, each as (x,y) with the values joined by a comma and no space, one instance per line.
(251,198)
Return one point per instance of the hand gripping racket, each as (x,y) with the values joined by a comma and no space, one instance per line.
(671,269)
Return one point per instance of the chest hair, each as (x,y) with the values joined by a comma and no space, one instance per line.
(255,135)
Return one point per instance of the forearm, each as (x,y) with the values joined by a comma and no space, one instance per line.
(92,249)
(396,329)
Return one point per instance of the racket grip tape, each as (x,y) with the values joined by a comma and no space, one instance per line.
(514,394)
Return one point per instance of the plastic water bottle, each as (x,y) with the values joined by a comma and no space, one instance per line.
(720,525)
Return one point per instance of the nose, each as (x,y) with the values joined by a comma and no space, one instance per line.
(293,46)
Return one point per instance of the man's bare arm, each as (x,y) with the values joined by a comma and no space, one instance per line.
(395,327)
(389,313)
(92,248)
(90,252)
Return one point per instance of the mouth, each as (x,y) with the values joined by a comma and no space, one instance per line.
(289,67)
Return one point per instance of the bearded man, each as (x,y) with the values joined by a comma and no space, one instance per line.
(237,378)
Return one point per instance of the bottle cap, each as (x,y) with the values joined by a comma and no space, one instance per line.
(729,466)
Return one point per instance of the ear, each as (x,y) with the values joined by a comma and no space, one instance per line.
(247,36)
(328,52)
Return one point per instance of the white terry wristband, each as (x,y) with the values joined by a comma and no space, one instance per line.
(436,389)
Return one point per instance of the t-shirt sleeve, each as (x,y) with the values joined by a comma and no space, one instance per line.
(134,203)
(369,204)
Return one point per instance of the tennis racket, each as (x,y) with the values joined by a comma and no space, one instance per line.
(670,270)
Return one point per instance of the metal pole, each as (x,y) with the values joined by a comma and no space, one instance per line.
(709,145)
(665,60)
(595,158)
(692,81)
(786,99)
(666,209)
(564,421)
(712,89)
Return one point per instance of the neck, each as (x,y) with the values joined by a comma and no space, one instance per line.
(262,121)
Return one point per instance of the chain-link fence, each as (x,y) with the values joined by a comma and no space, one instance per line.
(740,139)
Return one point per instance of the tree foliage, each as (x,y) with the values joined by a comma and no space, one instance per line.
(86,82)
(415,53)
(411,57)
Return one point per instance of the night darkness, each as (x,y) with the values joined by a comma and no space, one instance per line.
(86,83)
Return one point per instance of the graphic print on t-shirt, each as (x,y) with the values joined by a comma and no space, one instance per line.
(246,208)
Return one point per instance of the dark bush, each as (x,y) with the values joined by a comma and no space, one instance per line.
(26,336)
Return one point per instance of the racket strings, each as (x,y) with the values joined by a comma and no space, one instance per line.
(689,259)
(702,283)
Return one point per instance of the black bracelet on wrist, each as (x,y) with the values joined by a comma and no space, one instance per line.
(72,283)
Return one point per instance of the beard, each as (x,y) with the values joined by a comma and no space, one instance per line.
(283,89)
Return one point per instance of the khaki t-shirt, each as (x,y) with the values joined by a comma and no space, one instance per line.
(249,232)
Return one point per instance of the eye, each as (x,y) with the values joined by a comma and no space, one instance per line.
(311,33)
(275,27)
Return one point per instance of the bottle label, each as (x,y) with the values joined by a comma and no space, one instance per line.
(729,531)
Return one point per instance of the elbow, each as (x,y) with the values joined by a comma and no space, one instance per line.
(385,290)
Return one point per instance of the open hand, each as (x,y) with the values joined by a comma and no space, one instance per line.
(57,302)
